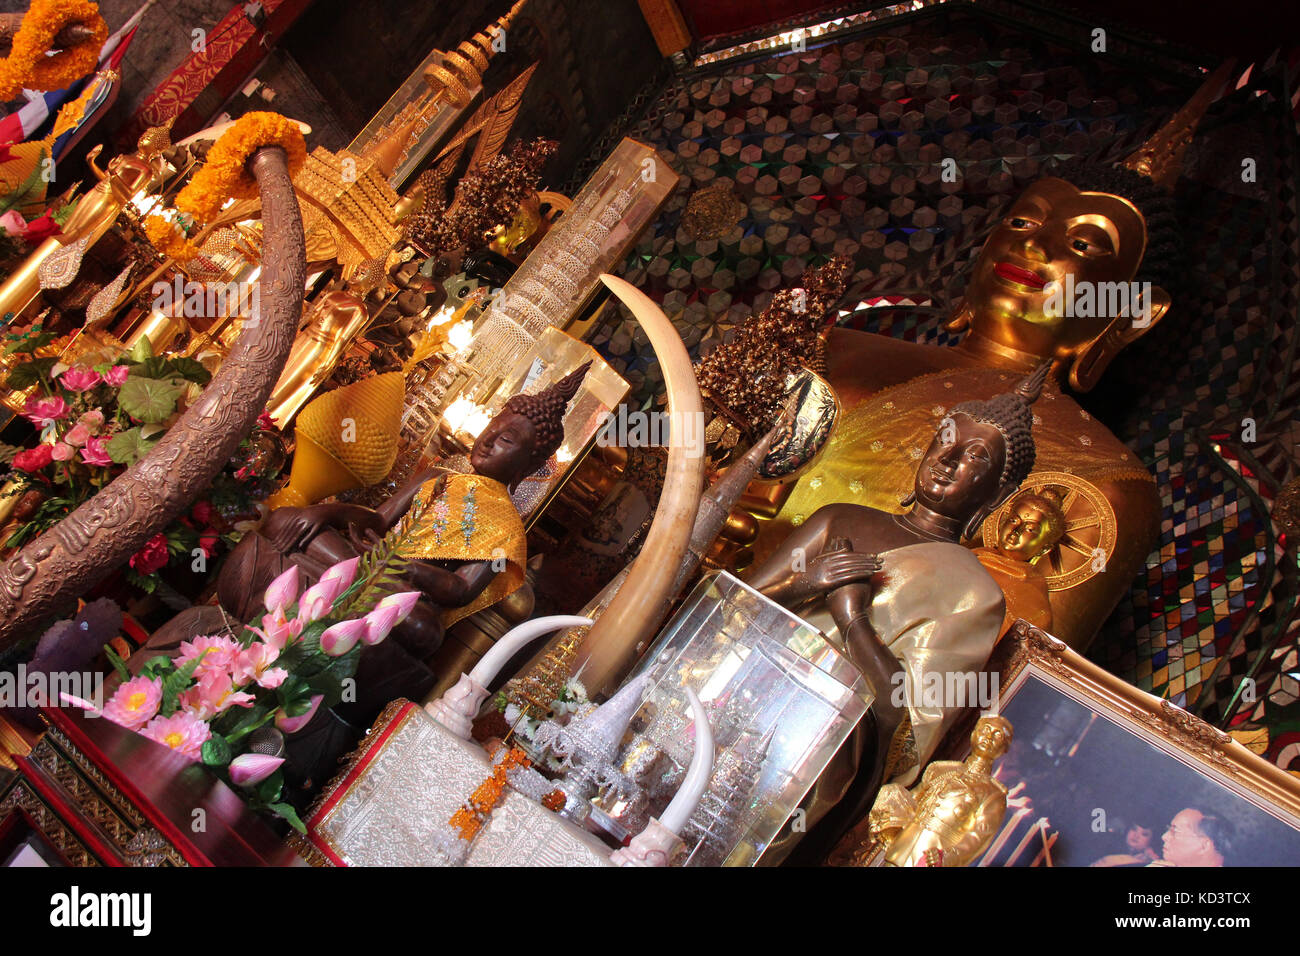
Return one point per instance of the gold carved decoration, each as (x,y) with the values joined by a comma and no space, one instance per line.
(1089,525)
(51,827)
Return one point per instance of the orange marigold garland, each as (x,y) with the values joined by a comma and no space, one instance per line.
(224,176)
(469,819)
(28,67)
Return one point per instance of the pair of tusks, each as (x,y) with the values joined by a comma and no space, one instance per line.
(70,558)
(653,846)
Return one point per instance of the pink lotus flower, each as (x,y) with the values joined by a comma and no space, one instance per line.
(253,665)
(341,575)
(316,601)
(218,654)
(135,702)
(249,769)
(214,694)
(116,375)
(182,732)
(95,453)
(62,452)
(80,379)
(291,725)
(45,411)
(404,601)
(342,637)
(380,622)
(278,631)
(283,591)
(70,700)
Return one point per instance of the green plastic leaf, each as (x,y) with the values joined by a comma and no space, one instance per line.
(216,752)
(149,399)
(158,666)
(176,682)
(142,351)
(290,814)
(188,369)
(119,665)
(30,373)
(128,447)
(269,790)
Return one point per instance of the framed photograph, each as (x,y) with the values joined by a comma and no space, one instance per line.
(1100,773)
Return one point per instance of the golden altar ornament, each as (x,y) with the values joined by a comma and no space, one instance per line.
(347,438)
(953,814)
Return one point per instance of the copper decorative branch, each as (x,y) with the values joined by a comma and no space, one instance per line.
(49,573)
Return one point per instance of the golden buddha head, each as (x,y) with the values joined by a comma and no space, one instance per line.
(1032,527)
(991,737)
(1076,270)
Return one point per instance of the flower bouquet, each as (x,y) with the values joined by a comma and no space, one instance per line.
(208,700)
(95,421)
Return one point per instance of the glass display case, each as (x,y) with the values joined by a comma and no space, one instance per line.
(781,700)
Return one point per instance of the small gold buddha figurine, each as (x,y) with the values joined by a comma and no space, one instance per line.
(1033,526)
(951,817)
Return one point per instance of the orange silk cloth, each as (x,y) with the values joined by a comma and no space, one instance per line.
(1024,587)
(473,519)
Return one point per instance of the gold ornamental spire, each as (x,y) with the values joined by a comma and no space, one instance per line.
(462,69)
(1161,156)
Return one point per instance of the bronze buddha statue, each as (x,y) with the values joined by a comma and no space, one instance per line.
(909,601)
(1105,232)
(464,546)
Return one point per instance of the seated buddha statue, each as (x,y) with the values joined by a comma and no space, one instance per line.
(909,601)
(464,546)
(1074,232)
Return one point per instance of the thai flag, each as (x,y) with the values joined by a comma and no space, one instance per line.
(40,108)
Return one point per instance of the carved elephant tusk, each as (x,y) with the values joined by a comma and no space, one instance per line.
(103,533)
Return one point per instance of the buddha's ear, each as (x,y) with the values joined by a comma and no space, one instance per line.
(1092,360)
(961,317)
(980,516)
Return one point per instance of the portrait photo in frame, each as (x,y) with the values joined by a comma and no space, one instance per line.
(1100,773)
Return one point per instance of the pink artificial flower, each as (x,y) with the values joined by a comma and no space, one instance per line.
(277,630)
(80,702)
(342,574)
(95,453)
(316,601)
(342,637)
(93,420)
(204,513)
(135,702)
(291,725)
(77,435)
(41,228)
(404,601)
(220,654)
(214,694)
(62,452)
(249,769)
(380,622)
(253,665)
(182,732)
(283,591)
(116,375)
(12,222)
(44,412)
(80,379)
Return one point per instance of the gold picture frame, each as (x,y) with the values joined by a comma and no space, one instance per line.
(1146,761)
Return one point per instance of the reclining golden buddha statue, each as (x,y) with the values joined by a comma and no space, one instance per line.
(1075,271)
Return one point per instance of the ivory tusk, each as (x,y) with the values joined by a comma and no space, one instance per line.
(698,775)
(486,670)
(615,640)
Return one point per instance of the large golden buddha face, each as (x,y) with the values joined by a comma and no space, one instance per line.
(1052,230)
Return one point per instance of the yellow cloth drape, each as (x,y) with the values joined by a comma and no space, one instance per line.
(473,519)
